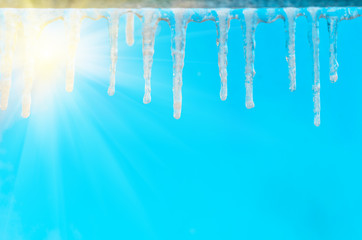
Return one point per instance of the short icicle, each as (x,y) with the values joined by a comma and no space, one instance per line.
(314,21)
(130,29)
(250,23)
(32,29)
(113,25)
(8,34)
(150,22)
(333,64)
(223,26)
(72,24)
(178,44)
(291,14)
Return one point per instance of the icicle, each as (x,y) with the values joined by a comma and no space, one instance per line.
(223,25)
(178,44)
(113,23)
(333,64)
(315,46)
(8,32)
(72,24)
(249,51)
(130,29)
(150,21)
(31,31)
(291,14)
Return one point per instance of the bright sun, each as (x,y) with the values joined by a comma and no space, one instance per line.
(51,52)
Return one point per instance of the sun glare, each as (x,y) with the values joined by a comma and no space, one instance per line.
(51,52)
(41,70)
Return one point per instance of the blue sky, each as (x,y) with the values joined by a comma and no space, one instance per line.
(89,166)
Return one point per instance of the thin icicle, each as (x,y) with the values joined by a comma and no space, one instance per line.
(315,46)
(150,21)
(31,31)
(223,26)
(73,25)
(333,64)
(130,29)
(8,32)
(250,23)
(113,25)
(178,44)
(291,14)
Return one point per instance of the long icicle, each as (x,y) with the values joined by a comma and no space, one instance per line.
(333,64)
(291,14)
(178,44)
(73,25)
(113,25)
(250,23)
(223,26)
(31,31)
(130,29)
(314,21)
(150,21)
(8,34)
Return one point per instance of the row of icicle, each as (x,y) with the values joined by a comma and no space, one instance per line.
(33,21)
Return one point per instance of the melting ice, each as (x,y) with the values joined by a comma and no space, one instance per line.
(32,21)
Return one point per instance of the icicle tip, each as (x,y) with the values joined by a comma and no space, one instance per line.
(111,91)
(250,105)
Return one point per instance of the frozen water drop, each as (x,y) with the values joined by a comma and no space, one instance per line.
(130,29)
(8,35)
(333,64)
(113,23)
(178,44)
(314,39)
(291,14)
(32,28)
(222,37)
(249,26)
(150,22)
(73,25)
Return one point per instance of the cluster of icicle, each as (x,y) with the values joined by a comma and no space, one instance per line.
(32,21)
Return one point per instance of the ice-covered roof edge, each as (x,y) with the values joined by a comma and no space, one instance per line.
(176,3)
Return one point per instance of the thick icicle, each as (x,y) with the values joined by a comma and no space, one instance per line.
(250,23)
(113,24)
(150,21)
(32,28)
(130,29)
(178,44)
(291,14)
(73,25)
(223,25)
(333,64)
(8,32)
(315,47)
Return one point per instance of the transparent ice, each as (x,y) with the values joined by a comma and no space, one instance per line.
(28,24)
